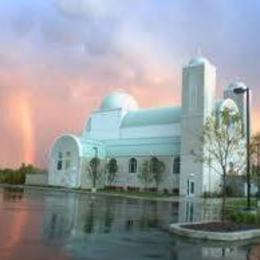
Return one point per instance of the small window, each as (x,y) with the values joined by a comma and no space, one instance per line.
(192,187)
(60,155)
(68,153)
(67,164)
(133,165)
(176,165)
(59,165)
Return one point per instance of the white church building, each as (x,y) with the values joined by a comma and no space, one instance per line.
(119,129)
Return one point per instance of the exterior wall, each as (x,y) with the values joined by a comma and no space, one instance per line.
(37,179)
(126,179)
(105,124)
(66,176)
(167,146)
(81,149)
(150,131)
(85,179)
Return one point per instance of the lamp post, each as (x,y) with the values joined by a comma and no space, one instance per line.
(96,156)
(257,166)
(95,169)
(258,155)
(241,90)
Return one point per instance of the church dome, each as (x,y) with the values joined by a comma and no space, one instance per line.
(119,99)
(199,60)
(236,84)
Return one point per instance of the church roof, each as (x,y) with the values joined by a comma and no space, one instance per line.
(236,84)
(157,146)
(159,116)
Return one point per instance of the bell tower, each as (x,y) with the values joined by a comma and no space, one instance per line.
(198,97)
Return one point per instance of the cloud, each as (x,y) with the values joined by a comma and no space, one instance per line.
(91,8)
(58,58)
(23,23)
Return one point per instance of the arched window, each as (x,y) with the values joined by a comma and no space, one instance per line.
(132,165)
(176,165)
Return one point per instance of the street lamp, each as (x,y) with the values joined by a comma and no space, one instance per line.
(96,156)
(258,155)
(241,90)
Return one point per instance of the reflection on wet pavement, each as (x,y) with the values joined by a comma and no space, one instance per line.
(59,225)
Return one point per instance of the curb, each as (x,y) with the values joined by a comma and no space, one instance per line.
(217,236)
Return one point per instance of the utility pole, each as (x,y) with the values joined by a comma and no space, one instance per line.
(241,90)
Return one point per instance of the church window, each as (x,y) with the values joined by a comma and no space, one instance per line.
(176,165)
(59,165)
(132,165)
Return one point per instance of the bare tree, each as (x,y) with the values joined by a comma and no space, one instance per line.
(255,157)
(145,174)
(93,168)
(111,170)
(222,145)
(158,169)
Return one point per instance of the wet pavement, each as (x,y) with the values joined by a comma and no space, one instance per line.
(61,225)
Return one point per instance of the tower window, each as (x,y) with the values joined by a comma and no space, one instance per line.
(132,165)
(59,165)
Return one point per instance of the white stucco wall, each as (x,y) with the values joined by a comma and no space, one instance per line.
(37,179)
(151,131)
(67,177)
(126,179)
(105,124)
(196,109)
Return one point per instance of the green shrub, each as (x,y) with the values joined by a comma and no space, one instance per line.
(240,217)
(250,218)
(208,194)
(17,176)
(229,191)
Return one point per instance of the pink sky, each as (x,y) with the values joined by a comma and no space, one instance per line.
(59,58)
(33,119)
